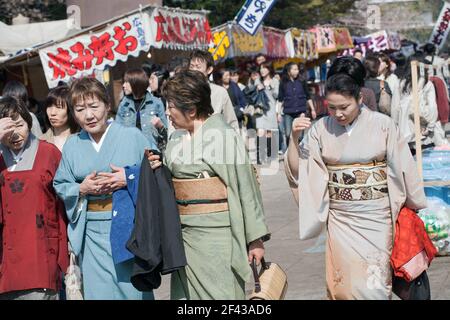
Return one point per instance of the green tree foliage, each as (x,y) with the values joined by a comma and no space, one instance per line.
(285,13)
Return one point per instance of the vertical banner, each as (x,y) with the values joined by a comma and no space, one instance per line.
(253,13)
(88,53)
(325,39)
(245,44)
(343,38)
(275,43)
(440,31)
(221,48)
(304,44)
(379,41)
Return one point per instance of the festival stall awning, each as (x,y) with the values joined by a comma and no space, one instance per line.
(93,49)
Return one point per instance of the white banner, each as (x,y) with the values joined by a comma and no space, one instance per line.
(442,27)
(178,30)
(252,14)
(87,53)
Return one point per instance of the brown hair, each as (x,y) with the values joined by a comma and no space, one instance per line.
(13,107)
(189,90)
(138,80)
(372,65)
(385,58)
(83,88)
(202,56)
(268,66)
(59,96)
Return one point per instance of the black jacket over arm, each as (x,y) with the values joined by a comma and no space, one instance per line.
(156,240)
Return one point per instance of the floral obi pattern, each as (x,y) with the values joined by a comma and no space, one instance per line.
(358,182)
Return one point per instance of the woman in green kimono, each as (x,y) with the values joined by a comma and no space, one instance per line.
(219,199)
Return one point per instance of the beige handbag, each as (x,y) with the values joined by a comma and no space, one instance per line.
(270,282)
(384,105)
(73,280)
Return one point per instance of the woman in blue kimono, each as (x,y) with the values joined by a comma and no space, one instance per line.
(92,168)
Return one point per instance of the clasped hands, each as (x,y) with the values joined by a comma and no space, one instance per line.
(102,183)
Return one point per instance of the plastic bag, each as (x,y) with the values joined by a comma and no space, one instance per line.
(436,218)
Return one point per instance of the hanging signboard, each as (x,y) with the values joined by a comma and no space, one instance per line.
(253,13)
(245,44)
(275,43)
(82,55)
(440,31)
(178,30)
(221,48)
(343,38)
(325,39)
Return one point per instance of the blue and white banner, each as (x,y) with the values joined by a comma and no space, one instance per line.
(253,13)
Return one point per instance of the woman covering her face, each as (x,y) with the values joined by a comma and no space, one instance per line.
(32,218)
(352,174)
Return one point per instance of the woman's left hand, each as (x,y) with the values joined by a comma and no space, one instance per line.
(256,250)
(113,181)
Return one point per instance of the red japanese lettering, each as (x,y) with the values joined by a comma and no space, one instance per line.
(126,44)
(161,34)
(61,64)
(102,48)
(83,61)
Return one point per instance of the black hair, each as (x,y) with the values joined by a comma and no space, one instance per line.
(13,107)
(59,96)
(346,76)
(350,66)
(372,65)
(16,89)
(285,76)
(429,49)
(407,74)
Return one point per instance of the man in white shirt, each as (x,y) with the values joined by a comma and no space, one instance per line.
(203,61)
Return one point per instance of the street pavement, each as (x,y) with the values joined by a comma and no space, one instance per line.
(304,261)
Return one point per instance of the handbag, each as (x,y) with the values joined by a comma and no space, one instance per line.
(73,280)
(418,289)
(270,283)
(384,105)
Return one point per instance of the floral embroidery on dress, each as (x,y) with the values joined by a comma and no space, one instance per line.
(338,278)
(16,186)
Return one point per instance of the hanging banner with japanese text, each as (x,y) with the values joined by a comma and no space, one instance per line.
(252,14)
(325,39)
(275,43)
(221,39)
(343,38)
(82,55)
(441,29)
(245,44)
(379,41)
(173,29)
(303,44)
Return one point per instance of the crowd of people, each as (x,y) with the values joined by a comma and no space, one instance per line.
(183,129)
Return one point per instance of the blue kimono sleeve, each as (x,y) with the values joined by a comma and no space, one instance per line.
(69,191)
(122,224)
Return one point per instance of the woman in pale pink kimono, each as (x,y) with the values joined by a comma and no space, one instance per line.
(353,173)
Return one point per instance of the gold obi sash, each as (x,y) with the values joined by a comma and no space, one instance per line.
(199,196)
(100,205)
(357,182)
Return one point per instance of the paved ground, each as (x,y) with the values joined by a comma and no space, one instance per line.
(304,261)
